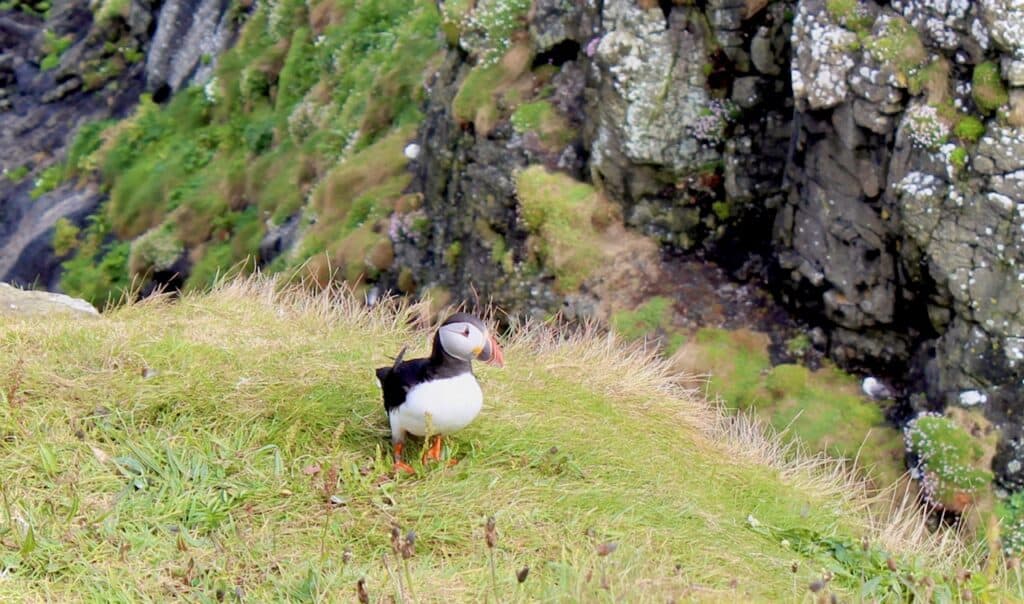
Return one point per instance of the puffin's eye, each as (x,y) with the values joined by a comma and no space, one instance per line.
(465,332)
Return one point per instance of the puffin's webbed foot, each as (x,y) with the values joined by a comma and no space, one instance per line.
(434,452)
(401,466)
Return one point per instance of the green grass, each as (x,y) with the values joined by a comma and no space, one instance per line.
(235,444)
(651,320)
(49,180)
(17,174)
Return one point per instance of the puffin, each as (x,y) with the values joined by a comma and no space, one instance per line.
(438,393)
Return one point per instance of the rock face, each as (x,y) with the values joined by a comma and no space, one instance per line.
(40,110)
(16,302)
(903,230)
(884,185)
(189,35)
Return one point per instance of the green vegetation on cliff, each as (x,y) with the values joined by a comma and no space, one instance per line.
(806,405)
(302,113)
(233,445)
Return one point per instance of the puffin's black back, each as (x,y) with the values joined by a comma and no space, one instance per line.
(397,380)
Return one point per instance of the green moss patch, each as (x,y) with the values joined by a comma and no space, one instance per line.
(560,212)
(901,46)
(805,405)
(969,129)
(540,117)
(987,87)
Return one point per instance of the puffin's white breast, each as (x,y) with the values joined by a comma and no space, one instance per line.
(451,404)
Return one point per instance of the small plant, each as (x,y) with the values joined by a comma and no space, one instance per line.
(65,237)
(404,548)
(900,45)
(48,180)
(156,250)
(969,129)
(851,14)
(452,254)
(53,47)
(1010,512)
(958,158)
(491,539)
(487,30)
(712,125)
(798,345)
(925,127)
(987,87)
(946,461)
(17,174)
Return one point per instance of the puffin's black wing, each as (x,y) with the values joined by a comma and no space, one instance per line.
(396,380)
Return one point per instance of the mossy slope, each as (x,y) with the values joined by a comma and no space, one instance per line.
(192,450)
(311,93)
(822,409)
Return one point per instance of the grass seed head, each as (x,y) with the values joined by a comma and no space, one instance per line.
(490,532)
(522,574)
(816,586)
(364,598)
(396,539)
(607,548)
(409,545)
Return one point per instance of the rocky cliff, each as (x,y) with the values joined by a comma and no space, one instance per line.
(864,158)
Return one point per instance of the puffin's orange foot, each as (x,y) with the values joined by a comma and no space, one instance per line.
(401,466)
(434,452)
(452,462)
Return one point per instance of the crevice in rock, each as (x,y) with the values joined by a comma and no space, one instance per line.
(162,93)
(559,54)
(666,9)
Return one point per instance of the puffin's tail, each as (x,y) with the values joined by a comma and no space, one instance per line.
(384,372)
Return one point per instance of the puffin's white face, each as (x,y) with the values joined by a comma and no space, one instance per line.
(463,341)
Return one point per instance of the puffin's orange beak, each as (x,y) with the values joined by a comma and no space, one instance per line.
(492,354)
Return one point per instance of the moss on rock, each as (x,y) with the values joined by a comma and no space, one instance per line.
(987,87)
(560,211)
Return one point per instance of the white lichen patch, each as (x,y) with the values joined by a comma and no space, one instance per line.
(1004,20)
(970,398)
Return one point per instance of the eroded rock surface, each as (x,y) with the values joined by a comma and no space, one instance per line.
(16,302)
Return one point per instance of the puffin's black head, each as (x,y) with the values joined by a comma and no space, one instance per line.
(465,337)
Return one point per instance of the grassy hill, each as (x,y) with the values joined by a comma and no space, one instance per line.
(233,446)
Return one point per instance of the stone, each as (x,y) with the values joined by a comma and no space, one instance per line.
(746,92)
(19,303)
(866,115)
(762,55)
(1013,71)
